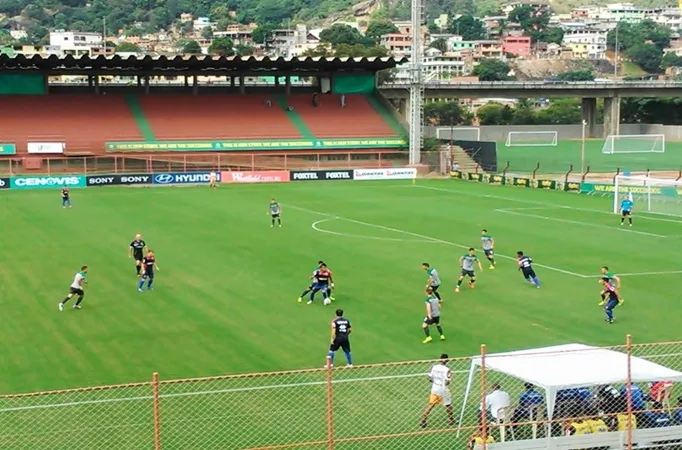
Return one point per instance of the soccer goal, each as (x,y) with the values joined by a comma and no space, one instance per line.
(459,133)
(634,143)
(651,195)
(532,139)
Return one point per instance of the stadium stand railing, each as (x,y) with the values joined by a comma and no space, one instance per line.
(519,400)
(198,162)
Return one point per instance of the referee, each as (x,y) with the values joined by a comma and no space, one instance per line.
(341,329)
(137,251)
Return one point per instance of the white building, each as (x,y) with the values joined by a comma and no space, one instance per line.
(586,43)
(75,42)
(201,23)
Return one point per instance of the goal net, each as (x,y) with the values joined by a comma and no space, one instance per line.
(634,143)
(459,133)
(651,195)
(532,139)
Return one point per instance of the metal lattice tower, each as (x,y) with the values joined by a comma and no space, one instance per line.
(416,106)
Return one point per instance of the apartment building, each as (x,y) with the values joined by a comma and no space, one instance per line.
(586,43)
(516,45)
(75,43)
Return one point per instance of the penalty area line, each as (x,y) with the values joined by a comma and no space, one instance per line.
(316,226)
(421,236)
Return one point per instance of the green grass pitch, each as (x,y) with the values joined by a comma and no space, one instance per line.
(225,302)
(557,159)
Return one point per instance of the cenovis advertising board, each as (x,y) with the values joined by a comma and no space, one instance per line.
(48,181)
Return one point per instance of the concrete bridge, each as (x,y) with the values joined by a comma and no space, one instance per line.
(588,91)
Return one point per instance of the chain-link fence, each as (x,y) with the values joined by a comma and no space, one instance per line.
(564,397)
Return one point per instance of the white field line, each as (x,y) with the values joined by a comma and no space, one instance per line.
(532,202)
(254,388)
(640,274)
(577,222)
(316,227)
(421,236)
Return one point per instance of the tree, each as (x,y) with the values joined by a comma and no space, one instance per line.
(447,113)
(492,70)
(127,47)
(37,35)
(495,114)
(671,59)
(378,28)
(342,34)
(523,115)
(533,21)
(222,46)
(440,44)
(553,35)
(245,50)
(469,27)
(359,50)
(207,33)
(561,111)
(191,47)
(577,75)
(647,56)
(263,34)
(659,35)
(320,50)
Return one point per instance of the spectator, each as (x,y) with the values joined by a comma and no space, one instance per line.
(290,108)
(638,397)
(496,402)
(659,390)
(609,400)
(477,440)
(455,167)
(529,400)
(315,99)
(677,415)
(657,417)
(596,423)
(268,103)
(343,101)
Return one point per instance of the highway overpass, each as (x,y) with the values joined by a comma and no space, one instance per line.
(588,91)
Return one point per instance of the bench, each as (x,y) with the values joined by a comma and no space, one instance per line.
(644,438)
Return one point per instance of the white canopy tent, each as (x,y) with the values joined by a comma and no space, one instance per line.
(569,366)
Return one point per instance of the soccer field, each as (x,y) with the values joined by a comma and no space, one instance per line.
(225,297)
(557,159)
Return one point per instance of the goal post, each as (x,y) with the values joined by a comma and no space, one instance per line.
(458,133)
(634,143)
(649,194)
(532,139)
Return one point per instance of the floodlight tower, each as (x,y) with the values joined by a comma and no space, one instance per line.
(416,106)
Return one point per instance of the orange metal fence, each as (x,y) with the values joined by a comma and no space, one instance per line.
(200,162)
(381,406)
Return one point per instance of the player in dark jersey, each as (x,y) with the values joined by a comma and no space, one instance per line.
(312,282)
(137,251)
(341,329)
(323,278)
(66,198)
(526,267)
(148,268)
(612,299)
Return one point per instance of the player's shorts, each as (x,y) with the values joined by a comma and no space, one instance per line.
(321,287)
(138,255)
(627,213)
(528,273)
(468,273)
(432,321)
(488,252)
(275,216)
(434,288)
(440,398)
(612,303)
(148,275)
(76,291)
(340,343)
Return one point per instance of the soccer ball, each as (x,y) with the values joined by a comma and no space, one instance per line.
(327,301)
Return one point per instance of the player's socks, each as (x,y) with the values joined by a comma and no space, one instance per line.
(427,332)
(138,268)
(536,281)
(437,295)
(149,284)
(349,358)
(330,358)
(140,284)
(440,331)
(78,302)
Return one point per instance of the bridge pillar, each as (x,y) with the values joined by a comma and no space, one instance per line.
(611,115)
(233,81)
(186,81)
(589,113)
(139,81)
(96,82)
(287,85)
(195,85)
(242,85)
(146,85)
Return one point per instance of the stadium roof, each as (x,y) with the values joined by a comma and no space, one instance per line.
(180,65)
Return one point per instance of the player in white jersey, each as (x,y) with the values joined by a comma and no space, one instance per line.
(440,376)
(212,178)
(76,289)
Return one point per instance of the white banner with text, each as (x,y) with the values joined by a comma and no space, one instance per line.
(385,174)
(42,148)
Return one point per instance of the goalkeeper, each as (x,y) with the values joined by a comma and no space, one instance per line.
(626,210)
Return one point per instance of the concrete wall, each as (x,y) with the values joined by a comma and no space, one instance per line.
(499,132)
